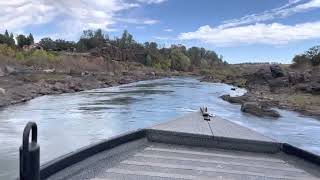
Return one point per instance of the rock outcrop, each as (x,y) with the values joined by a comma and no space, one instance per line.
(257,110)
(276,71)
(234,100)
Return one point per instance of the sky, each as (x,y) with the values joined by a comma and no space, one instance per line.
(239,30)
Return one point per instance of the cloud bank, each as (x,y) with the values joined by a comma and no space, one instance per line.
(275,34)
(77,15)
(250,29)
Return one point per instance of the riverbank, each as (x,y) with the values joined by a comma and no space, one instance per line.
(275,86)
(23,87)
(20,82)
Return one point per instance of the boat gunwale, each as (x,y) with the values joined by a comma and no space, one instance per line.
(57,164)
(301,153)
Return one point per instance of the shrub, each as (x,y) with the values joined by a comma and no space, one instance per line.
(44,56)
(301,60)
(40,58)
(20,56)
(5,50)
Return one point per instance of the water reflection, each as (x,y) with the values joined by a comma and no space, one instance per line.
(70,121)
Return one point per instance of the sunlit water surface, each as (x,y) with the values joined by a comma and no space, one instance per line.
(70,121)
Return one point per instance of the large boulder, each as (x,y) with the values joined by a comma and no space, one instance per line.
(278,83)
(234,100)
(315,88)
(257,110)
(263,73)
(303,87)
(276,71)
(258,78)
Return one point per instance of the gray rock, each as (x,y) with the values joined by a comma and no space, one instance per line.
(276,71)
(2,73)
(58,87)
(2,91)
(10,70)
(296,78)
(303,87)
(279,82)
(257,110)
(110,73)
(151,74)
(315,88)
(234,100)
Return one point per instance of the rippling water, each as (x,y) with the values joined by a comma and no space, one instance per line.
(70,121)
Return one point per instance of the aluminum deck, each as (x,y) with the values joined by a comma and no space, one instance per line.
(187,148)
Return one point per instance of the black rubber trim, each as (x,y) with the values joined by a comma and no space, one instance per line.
(292,150)
(70,159)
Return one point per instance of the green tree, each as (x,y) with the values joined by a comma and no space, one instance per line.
(11,43)
(314,55)
(22,40)
(194,54)
(63,45)
(48,44)
(30,39)
(6,34)
(7,39)
(126,40)
(92,39)
(300,60)
(179,61)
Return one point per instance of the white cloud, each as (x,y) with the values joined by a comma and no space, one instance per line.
(168,30)
(74,15)
(292,7)
(161,37)
(275,34)
(151,1)
(250,29)
(137,21)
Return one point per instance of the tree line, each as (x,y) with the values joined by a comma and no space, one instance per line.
(21,39)
(176,57)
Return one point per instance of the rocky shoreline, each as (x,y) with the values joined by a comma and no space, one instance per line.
(273,87)
(18,88)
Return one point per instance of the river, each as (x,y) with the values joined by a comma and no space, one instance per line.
(70,121)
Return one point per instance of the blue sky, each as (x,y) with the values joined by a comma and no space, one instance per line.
(240,30)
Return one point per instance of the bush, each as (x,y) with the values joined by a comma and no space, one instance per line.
(40,58)
(44,55)
(20,56)
(301,60)
(5,50)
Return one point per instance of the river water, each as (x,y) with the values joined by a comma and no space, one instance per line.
(70,121)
